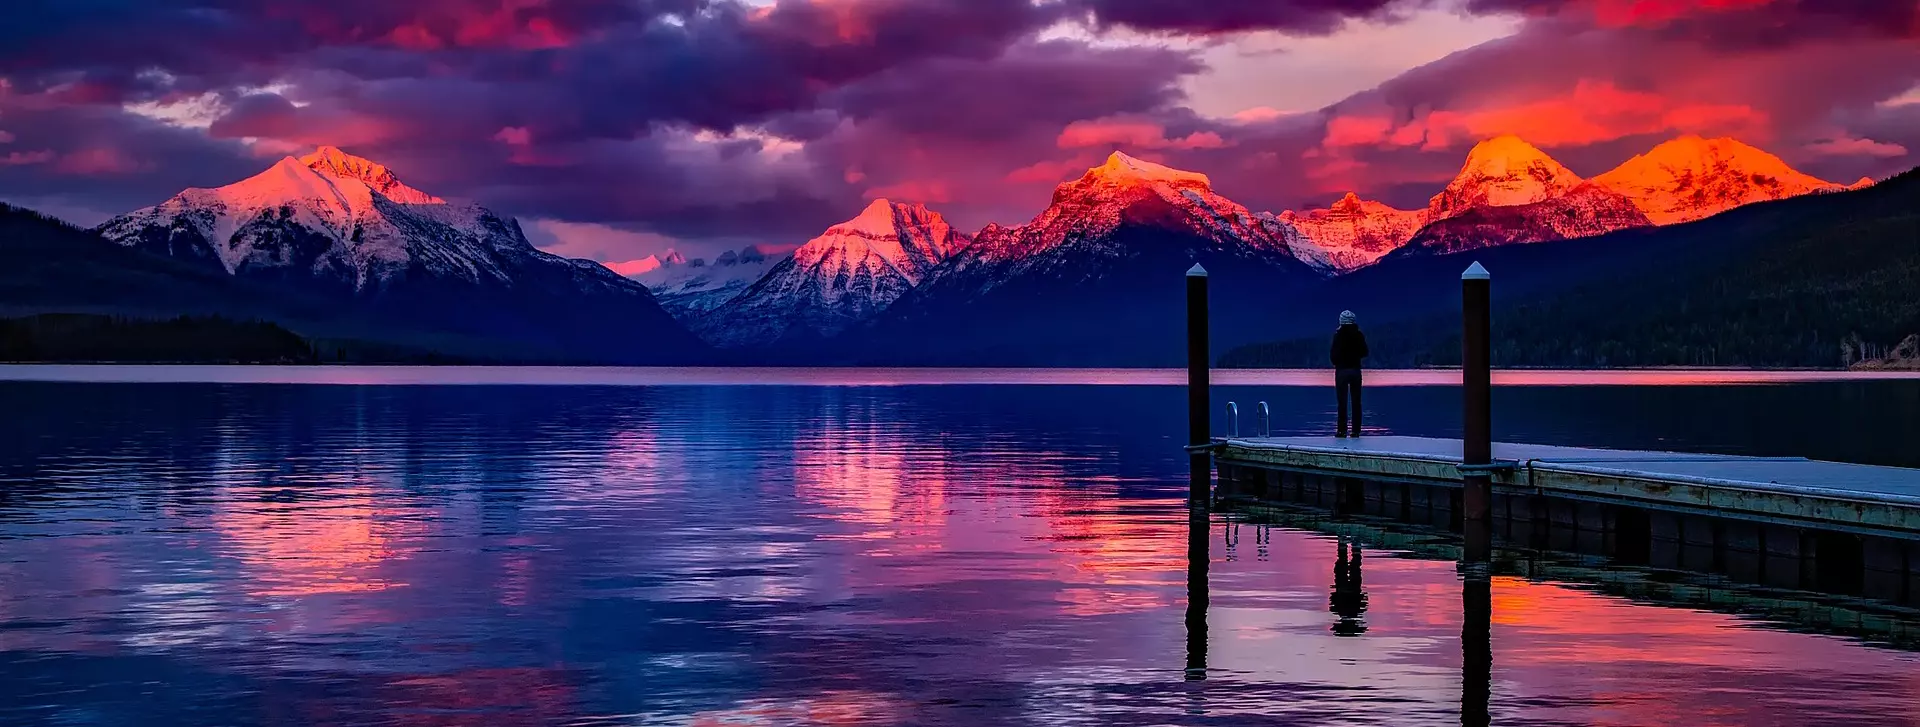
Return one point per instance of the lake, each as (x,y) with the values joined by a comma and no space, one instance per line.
(416,546)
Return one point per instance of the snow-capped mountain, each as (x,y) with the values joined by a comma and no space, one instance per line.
(325,224)
(1502,172)
(1585,211)
(1096,277)
(1690,178)
(690,289)
(333,162)
(322,219)
(1355,232)
(1508,193)
(1129,192)
(841,278)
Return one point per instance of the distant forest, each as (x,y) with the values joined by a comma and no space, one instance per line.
(78,338)
(1823,283)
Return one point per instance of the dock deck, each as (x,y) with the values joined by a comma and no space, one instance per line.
(1860,498)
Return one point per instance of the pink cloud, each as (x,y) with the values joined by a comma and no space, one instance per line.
(1051,172)
(97,161)
(20,159)
(514,136)
(927,191)
(1593,111)
(1107,133)
(1258,115)
(631,268)
(1844,145)
(1358,131)
(597,242)
(1627,13)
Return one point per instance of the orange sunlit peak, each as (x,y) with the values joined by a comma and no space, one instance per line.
(1120,167)
(1504,146)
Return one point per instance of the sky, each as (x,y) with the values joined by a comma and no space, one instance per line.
(615,129)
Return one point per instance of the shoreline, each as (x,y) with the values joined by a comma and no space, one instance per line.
(429,375)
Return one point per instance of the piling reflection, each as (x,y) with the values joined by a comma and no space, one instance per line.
(1348,601)
(1476,627)
(1198,537)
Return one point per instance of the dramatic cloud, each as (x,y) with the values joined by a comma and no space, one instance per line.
(1594,89)
(1229,16)
(622,127)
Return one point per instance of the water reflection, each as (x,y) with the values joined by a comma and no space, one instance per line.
(1199,541)
(1476,644)
(188,555)
(1348,601)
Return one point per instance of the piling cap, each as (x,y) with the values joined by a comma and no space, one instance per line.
(1196,271)
(1476,273)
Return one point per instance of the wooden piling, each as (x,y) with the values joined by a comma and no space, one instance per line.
(1476,360)
(1199,389)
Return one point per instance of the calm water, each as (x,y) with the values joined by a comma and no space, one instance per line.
(716,554)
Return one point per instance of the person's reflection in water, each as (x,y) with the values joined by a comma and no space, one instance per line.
(1197,542)
(1349,599)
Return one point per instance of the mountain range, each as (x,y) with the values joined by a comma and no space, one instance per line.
(337,245)
(1099,252)
(1818,280)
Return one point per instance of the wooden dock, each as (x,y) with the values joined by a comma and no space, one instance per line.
(1847,496)
(1791,522)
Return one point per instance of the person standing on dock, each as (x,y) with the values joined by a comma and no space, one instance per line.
(1349,349)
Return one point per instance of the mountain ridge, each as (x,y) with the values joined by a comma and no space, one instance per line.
(320,227)
(843,277)
(1097,253)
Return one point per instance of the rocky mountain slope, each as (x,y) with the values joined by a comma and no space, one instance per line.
(839,279)
(691,289)
(1586,210)
(1355,232)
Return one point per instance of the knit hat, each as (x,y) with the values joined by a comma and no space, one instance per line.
(1347,318)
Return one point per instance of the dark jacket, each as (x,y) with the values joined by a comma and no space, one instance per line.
(1349,347)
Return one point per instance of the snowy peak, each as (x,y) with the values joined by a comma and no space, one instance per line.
(1690,178)
(1114,209)
(909,239)
(843,277)
(1504,171)
(879,218)
(1121,169)
(333,162)
(1356,232)
(288,181)
(691,289)
(1131,188)
(323,218)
